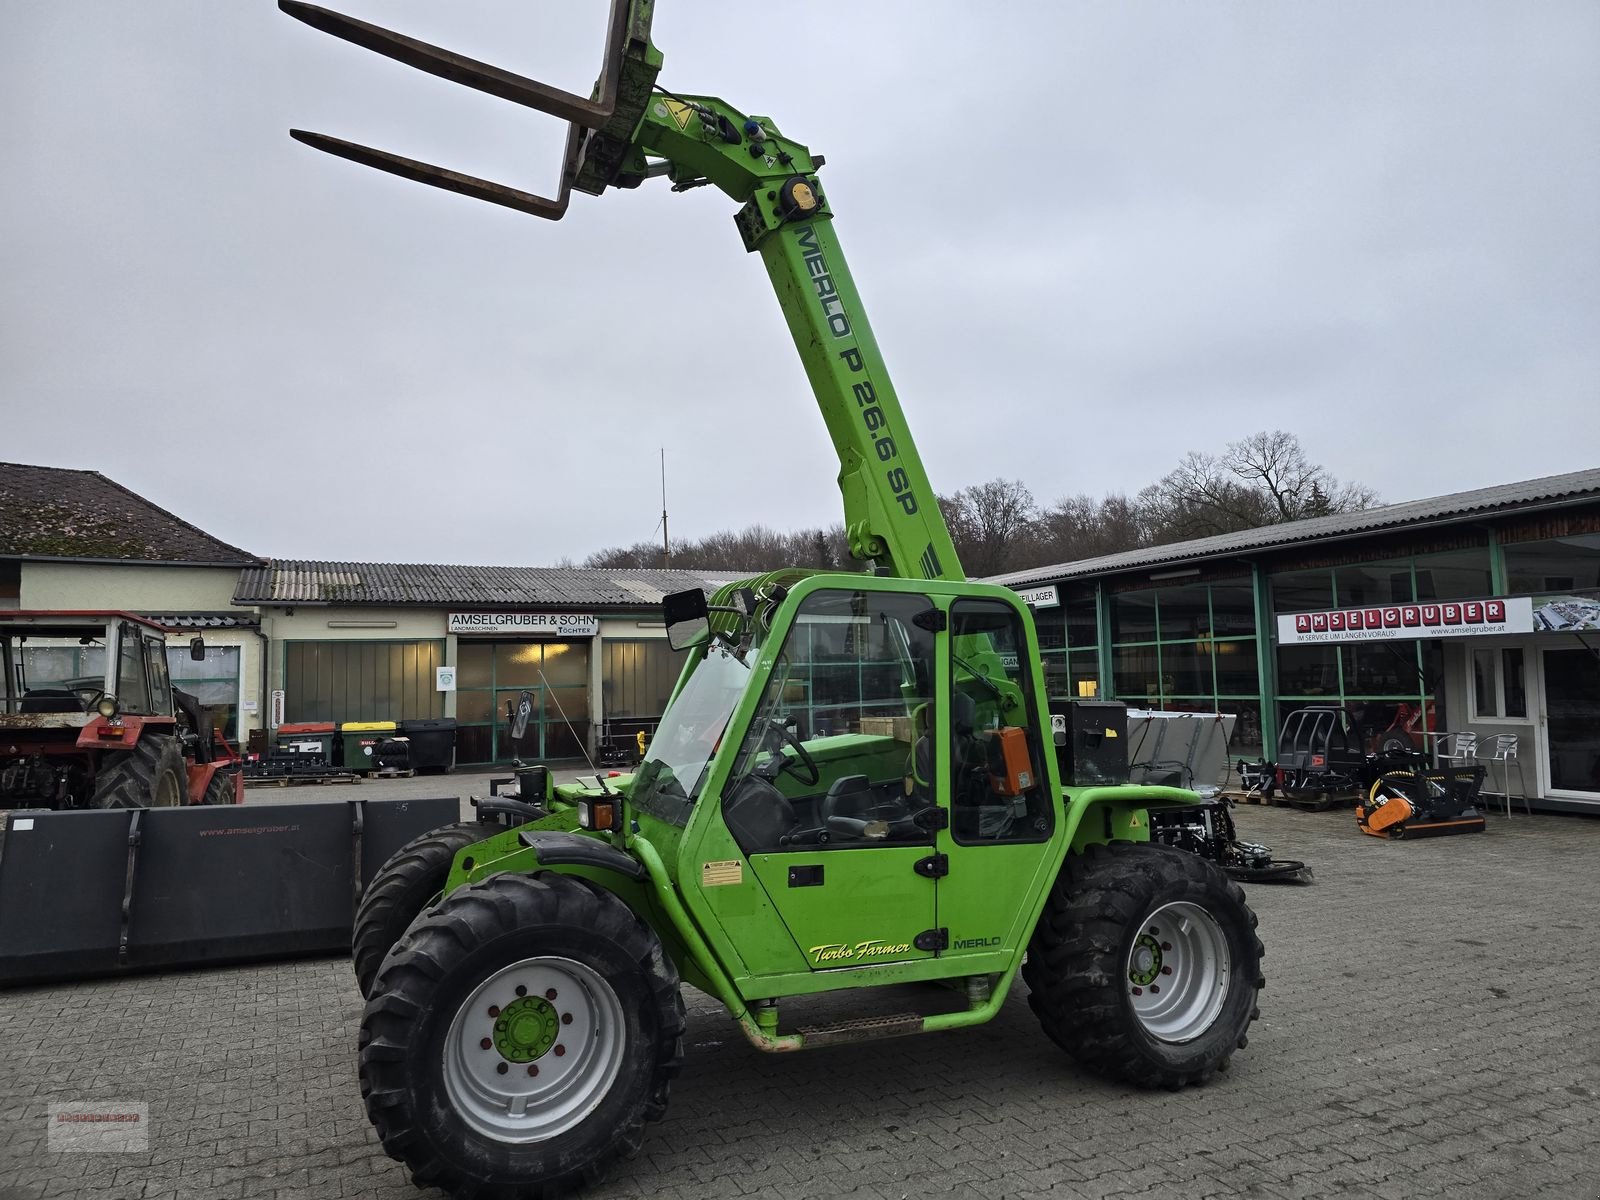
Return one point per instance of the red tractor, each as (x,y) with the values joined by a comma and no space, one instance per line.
(89,717)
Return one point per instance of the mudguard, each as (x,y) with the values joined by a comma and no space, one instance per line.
(553,848)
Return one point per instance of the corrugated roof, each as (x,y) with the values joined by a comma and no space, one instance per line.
(285,581)
(54,512)
(1572,486)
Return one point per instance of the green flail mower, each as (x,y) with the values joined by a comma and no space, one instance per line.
(858,782)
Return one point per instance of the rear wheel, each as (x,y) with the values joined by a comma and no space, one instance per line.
(150,775)
(220,789)
(410,882)
(520,1038)
(1145,965)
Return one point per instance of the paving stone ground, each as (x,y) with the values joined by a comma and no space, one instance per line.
(1428,1029)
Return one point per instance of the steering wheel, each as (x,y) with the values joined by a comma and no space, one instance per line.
(810,776)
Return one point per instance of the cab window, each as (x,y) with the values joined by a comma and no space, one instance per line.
(998,783)
(838,755)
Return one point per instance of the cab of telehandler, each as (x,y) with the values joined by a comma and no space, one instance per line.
(855,773)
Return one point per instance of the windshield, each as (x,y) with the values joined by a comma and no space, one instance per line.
(670,778)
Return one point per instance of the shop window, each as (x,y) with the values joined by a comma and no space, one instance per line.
(1565,564)
(1136,674)
(1381,669)
(1184,612)
(1236,671)
(1185,670)
(1133,616)
(1050,624)
(1374,583)
(1083,623)
(1311,670)
(1454,575)
(1084,674)
(1499,684)
(1233,609)
(1301,591)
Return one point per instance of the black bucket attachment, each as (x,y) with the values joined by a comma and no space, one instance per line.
(96,892)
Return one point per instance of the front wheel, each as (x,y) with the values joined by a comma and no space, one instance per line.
(408,884)
(1145,965)
(520,1038)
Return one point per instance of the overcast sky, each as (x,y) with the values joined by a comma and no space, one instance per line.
(1090,238)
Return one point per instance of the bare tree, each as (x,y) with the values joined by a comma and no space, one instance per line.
(989,523)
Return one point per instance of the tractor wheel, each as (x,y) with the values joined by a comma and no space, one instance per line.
(151,775)
(220,789)
(517,1042)
(1145,965)
(409,883)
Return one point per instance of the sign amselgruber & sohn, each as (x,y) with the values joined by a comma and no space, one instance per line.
(561,625)
(1445,618)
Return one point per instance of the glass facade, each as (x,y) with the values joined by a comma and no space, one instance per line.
(1069,644)
(1564,564)
(490,679)
(1392,689)
(1190,647)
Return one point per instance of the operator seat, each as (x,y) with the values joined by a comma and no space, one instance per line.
(962,735)
(758,815)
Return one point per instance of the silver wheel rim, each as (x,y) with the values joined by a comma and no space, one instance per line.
(1177,971)
(528,1085)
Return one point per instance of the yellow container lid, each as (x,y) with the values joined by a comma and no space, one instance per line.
(367,727)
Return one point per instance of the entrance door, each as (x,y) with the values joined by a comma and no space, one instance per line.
(1572,707)
(530,745)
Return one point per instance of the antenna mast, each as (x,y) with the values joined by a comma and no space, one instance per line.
(666,549)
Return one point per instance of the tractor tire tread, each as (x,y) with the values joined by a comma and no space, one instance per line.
(1073,968)
(130,778)
(474,916)
(402,887)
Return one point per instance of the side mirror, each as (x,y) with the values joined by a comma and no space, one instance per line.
(688,618)
(197,648)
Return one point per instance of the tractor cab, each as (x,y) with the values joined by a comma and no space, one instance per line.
(62,669)
(846,756)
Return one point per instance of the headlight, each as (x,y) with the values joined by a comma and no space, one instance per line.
(107,706)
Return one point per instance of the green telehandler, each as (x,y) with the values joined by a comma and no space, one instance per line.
(855,785)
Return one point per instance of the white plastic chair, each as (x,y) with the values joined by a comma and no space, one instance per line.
(1503,750)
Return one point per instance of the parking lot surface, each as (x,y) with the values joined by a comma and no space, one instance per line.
(1427,1029)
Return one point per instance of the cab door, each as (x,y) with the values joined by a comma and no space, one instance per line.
(822,795)
(1002,814)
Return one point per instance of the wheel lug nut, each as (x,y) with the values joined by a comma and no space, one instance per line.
(521,991)
(566,1018)
(1138,991)
(494,1010)
(560,1049)
(550,994)
(1154,988)
(1166,970)
(501,1067)
(533,1070)
(1166,945)
(485,1044)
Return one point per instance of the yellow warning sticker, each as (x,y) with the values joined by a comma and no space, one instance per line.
(1111,733)
(679,112)
(720,874)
